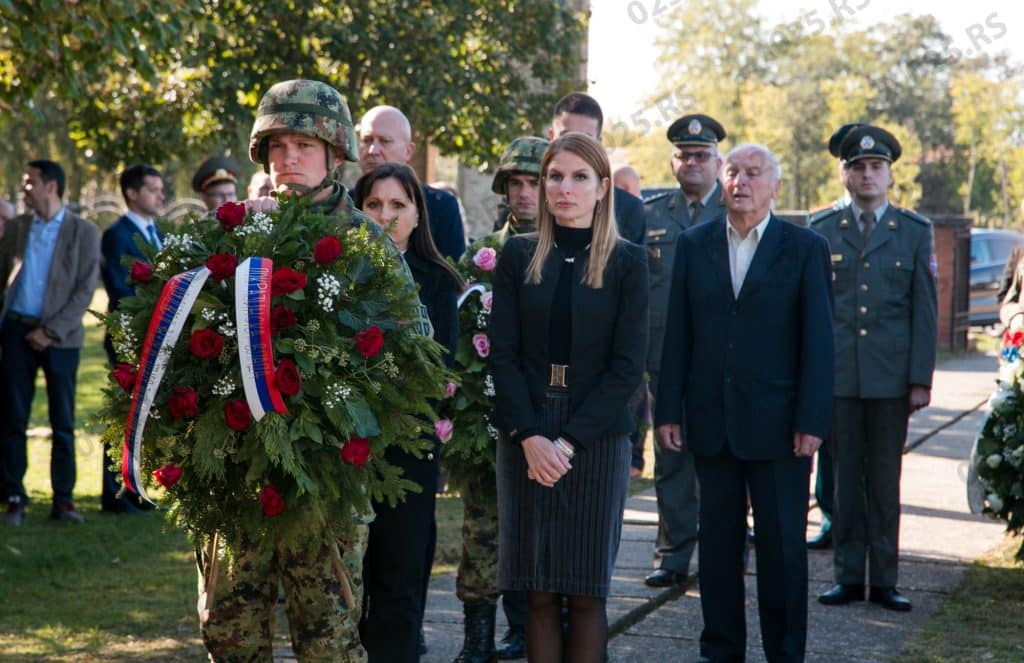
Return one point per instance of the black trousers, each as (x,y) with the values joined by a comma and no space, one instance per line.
(17,387)
(778,492)
(396,569)
(867,453)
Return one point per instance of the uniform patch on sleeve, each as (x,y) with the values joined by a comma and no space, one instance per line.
(837,257)
(933,264)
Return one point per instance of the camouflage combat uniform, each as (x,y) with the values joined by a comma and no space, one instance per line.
(476,583)
(238,627)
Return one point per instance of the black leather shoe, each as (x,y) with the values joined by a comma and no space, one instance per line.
(513,645)
(64,510)
(889,598)
(823,540)
(842,594)
(15,515)
(665,578)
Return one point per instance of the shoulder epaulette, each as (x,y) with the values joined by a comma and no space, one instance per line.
(816,216)
(658,196)
(914,216)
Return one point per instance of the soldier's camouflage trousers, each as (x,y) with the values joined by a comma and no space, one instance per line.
(239,626)
(477,578)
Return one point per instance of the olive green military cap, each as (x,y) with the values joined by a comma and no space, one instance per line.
(695,129)
(307,107)
(523,155)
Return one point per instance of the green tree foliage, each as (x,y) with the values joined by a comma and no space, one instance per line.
(791,85)
(167,80)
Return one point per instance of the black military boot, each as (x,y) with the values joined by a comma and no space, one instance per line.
(478,623)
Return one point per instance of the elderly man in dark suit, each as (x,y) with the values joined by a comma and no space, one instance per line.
(48,265)
(752,365)
(143,189)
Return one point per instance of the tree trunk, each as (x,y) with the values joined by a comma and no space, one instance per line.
(972,164)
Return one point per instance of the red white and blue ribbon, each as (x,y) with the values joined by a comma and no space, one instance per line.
(255,352)
(172,309)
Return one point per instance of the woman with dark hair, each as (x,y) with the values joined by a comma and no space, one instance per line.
(396,568)
(568,342)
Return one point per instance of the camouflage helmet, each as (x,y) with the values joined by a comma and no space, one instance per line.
(307,107)
(521,156)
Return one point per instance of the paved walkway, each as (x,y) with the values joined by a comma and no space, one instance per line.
(938,539)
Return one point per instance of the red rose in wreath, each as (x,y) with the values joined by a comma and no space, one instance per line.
(287,377)
(370,341)
(271,501)
(167,475)
(356,451)
(231,215)
(206,344)
(124,375)
(286,280)
(183,403)
(281,318)
(237,415)
(221,266)
(141,272)
(326,250)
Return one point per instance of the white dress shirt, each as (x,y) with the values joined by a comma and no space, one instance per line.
(741,251)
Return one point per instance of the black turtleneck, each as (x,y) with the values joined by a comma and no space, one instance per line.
(570,244)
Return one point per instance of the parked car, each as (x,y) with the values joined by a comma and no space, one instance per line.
(990,250)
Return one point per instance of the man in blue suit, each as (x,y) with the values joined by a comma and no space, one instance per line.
(751,313)
(143,189)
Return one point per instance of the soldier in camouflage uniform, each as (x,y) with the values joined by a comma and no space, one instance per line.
(518,180)
(238,625)
(883,280)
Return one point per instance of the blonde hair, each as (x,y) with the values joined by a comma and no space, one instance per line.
(605,234)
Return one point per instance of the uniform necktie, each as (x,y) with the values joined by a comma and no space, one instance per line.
(153,239)
(867,221)
(695,208)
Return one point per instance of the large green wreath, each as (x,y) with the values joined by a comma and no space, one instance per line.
(347,349)
(998,456)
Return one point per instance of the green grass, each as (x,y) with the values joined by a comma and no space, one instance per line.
(117,588)
(982,619)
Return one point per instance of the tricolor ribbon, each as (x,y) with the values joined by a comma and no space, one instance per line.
(172,309)
(255,352)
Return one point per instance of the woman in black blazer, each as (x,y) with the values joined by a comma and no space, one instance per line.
(396,568)
(568,337)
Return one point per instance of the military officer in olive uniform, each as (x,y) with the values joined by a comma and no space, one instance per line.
(695,162)
(883,264)
(517,180)
(216,181)
(824,485)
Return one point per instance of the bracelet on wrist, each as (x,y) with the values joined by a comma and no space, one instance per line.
(565,448)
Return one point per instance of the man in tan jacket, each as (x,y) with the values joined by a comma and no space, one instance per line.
(49,261)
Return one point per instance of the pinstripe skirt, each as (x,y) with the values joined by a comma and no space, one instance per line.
(562,539)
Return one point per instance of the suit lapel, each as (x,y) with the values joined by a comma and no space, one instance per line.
(882,232)
(850,231)
(714,207)
(718,251)
(767,249)
(679,210)
(21,241)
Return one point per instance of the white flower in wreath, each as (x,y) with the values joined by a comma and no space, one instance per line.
(994,461)
(994,502)
(1008,373)
(999,398)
